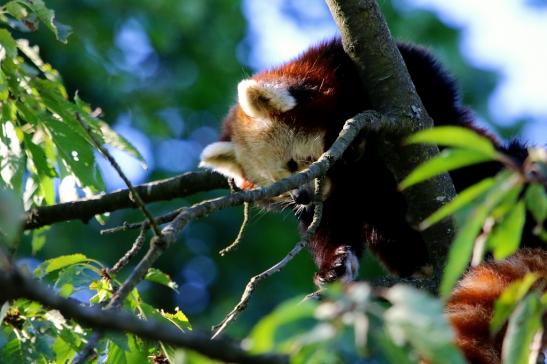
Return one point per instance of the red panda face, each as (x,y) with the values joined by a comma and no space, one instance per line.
(263,148)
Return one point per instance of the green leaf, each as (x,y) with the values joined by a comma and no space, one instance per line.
(13,353)
(4,88)
(393,353)
(61,262)
(414,313)
(76,153)
(504,239)
(8,43)
(462,246)
(157,276)
(278,330)
(455,136)
(11,157)
(47,16)
(178,318)
(43,168)
(509,299)
(16,10)
(63,351)
(11,213)
(523,325)
(536,201)
(110,136)
(38,239)
(463,199)
(447,160)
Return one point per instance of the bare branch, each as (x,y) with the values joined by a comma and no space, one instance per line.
(250,287)
(16,285)
(367,40)
(168,189)
(133,194)
(351,129)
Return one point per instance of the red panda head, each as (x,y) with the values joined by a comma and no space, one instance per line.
(285,118)
(261,146)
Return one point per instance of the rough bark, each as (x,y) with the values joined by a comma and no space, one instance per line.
(367,40)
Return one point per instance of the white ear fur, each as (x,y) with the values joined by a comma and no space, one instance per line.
(220,156)
(258,98)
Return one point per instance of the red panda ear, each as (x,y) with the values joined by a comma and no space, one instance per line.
(259,99)
(221,157)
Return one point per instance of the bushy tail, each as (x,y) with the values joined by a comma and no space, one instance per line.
(470,307)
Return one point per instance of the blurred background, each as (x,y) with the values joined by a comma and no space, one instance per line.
(165,72)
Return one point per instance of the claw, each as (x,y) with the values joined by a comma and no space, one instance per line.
(344,267)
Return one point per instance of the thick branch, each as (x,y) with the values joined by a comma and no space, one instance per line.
(167,189)
(15,285)
(367,40)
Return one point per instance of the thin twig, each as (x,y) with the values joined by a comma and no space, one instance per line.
(137,245)
(162,219)
(134,194)
(242,228)
(249,289)
(218,329)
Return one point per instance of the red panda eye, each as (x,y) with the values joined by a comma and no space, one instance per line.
(292,166)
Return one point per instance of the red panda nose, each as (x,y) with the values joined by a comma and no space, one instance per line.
(301,197)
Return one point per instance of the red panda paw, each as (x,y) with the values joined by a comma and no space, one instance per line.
(343,266)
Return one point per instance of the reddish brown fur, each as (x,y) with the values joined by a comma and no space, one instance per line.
(470,307)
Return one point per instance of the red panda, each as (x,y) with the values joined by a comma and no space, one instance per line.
(469,309)
(286,117)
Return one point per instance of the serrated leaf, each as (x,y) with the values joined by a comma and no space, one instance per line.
(8,43)
(178,318)
(414,313)
(47,16)
(157,276)
(106,133)
(16,10)
(76,153)
(463,199)
(447,160)
(455,136)
(504,239)
(509,299)
(462,246)
(52,265)
(42,168)
(523,325)
(536,201)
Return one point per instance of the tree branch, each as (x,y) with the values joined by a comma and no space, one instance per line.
(16,285)
(367,40)
(158,245)
(167,189)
